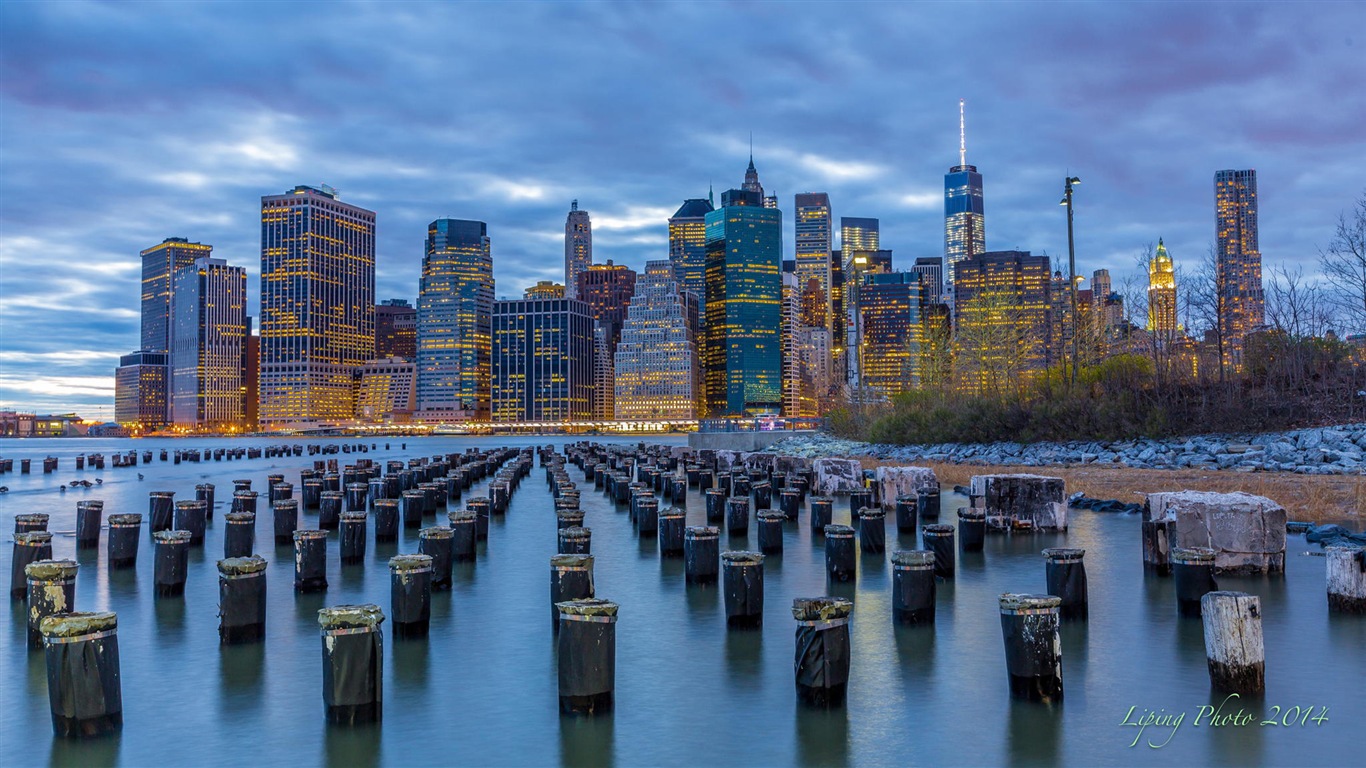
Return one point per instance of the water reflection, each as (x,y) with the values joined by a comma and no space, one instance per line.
(352,745)
(86,753)
(702,600)
(410,656)
(170,620)
(1033,732)
(744,653)
(1232,724)
(241,669)
(822,736)
(587,741)
(915,650)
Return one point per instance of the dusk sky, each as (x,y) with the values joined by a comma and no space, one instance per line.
(124,124)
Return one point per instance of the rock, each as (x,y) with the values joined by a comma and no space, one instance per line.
(903,481)
(1246,532)
(1036,498)
(836,476)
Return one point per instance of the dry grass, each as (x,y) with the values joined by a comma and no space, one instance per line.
(1313,498)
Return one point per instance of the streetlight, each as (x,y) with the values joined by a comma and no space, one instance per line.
(1071,268)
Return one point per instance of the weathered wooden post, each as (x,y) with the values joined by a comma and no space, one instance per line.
(737,515)
(742,576)
(310,561)
(1065,576)
(839,553)
(571,578)
(972,529)
(822,513)
(1347,579)
(241,599)
(701,554)
(386,520)
(82,655)
(51,590)
(89,516)
(438,542)
(872,530)
(1193,571)
(576,541)
(672,521)
(192,516)
(353,663)
(411,594)
(286,520)
(171,565)
(122,544)
(587,654)
(939,540)
(1029,625)
(821,663)
(913,586)
(1233,641)
(32,521)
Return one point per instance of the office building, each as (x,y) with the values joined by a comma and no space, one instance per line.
(742,353)
(395,329)
(208,344)
(159,264)
(892,331)
(251,379)
(1003,322)
(386,390)
(317,305)
(858,265)
(1162,296)
(656,368)
(542,360)
(545,289)
(813,246)
(607,289)
(578,247)
(1238,255)
(931,271)
(140,390)
(455,323)
(688,246)
(964,213)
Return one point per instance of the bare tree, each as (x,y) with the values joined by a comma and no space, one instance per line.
(1344,265)
(1208,296)
(995,342)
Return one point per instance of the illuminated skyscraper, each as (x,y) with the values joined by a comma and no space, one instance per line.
(578,247)
(1003,318)
(891,321)
(545,289)
(386,389)
(395,329)
(1239,259)
(317,305)
(931,271)
(159,263)
(607,289)
(140,389)
(964,220)
(688,246)
(455,323)
(656,366)
(1162,295)
(859,265)
(542,360)
(814,243)
(742,354)
(208,341)
(859,234)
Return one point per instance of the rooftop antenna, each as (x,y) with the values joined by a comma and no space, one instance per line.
(962,137)
(751,147)
(574,206)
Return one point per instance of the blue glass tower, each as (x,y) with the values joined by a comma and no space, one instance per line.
(964,221)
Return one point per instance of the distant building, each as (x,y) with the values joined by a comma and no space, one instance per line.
(815,240)
(386,390)
(140,390)
(395,329)
(455,323)
(964,212)
(742,354)
(317,305)
(251,379)
(545,289)
(1003,318)
(656,366)
(931,271)
(1162,295)
(1237,254)
(892,324)
(578,247)
(542,360)
(159,263)
(857,266)
(688,246)
(607,289)
(208,344)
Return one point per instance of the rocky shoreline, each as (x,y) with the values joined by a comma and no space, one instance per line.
(1337,450)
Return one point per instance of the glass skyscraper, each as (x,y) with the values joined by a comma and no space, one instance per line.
(656,360)
(542,360)
(688,246)
(159,263)
(208,340)
(1238,255)
(964,222)
(395,329)
(608,290)
(317,305)
(814,244)
(578,247)
(742,355)
(891,324)
(455,323)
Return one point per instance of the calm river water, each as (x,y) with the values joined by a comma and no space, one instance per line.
(481,690)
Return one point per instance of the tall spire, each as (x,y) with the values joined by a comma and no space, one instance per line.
(962,137)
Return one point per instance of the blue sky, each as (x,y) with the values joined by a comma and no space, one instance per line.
(124,124)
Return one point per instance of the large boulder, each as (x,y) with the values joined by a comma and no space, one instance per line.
(1010,499)
(791,464)
(725,460)
(759,460)
(837,476)
(904,481)
(1246,532)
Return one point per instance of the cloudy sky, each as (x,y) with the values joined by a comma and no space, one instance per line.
(123,124)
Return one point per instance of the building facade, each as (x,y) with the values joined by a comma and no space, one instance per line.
(208,344)
(159,264)
(578,247)
(545,289)
(892,324)
(931,271)
(742,354)
(386,390)
(1162,296)
(140,390)
(1003,324)
(542,360)
(814,243)
(656,364)
(317,305)
(395,329)
(688,246)
(1238,256)
(607,289)
(455,323)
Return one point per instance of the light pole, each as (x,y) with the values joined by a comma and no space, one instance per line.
(1072,269)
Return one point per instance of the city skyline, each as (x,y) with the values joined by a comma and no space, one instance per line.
(1186,92)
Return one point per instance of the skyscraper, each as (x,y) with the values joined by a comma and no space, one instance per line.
(891,321)
(208,342)
(317,305)
(964,220)
(742,356)
(931,271)
(1003,318)
(140,391)
(856,235)
(159,263)
(607,289)
(656,366)
(859,234)
(542,360)
(1238,257)
(578,247)
(814,243)
(688,246)
(1162,295)
(395,329)
(386,389)
(455,323)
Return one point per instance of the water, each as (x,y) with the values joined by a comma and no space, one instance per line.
(482,688)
